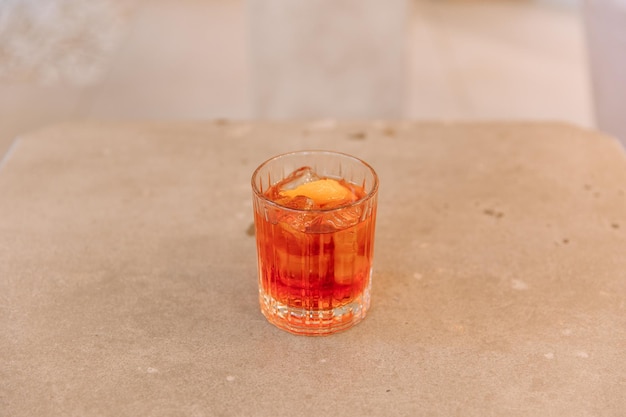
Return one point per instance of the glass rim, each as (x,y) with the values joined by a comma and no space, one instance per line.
(371,194)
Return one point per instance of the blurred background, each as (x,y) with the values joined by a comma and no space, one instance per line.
(67,60)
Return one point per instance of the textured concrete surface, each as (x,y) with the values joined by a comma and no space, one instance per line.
(128,287)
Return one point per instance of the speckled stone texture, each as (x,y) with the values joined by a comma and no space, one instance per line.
(128,274)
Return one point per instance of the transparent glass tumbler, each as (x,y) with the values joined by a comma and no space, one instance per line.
(314,264)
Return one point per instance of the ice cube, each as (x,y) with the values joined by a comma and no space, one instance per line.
(297,178)
(340,219)
(298,202)
(299,221)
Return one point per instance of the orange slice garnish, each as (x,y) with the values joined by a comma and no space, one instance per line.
(322,192)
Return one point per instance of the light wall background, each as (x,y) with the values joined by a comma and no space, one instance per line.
(237,59)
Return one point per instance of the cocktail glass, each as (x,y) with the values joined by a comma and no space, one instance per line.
(314,215)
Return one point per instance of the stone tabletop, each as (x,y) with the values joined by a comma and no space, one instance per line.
(128,274)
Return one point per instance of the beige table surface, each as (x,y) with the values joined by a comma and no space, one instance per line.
(128,286)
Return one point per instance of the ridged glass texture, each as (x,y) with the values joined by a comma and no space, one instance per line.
(315,266)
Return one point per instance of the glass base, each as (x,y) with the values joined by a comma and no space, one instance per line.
(314,322)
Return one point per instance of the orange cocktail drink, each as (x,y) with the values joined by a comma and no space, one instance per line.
(314,217)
